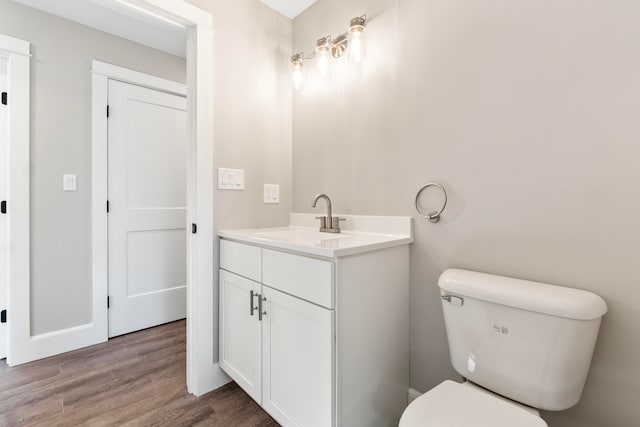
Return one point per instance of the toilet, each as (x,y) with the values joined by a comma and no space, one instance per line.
(520,346)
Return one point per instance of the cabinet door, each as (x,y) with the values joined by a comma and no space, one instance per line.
(240,333)
(298,361)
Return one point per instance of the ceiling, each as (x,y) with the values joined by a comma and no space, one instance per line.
(289,8)
(118,19)
(122,20)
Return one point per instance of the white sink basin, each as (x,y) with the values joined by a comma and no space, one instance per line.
(298,235)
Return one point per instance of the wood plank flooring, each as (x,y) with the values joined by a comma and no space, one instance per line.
(132,380)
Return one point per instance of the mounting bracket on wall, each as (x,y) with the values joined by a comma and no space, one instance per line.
(433,216)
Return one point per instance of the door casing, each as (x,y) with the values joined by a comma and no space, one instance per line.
(18,57)
(4,247)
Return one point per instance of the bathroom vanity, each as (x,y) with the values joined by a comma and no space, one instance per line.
(315,326)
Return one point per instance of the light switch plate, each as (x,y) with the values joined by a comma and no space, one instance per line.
(69,183)
(230,179)
(272,193)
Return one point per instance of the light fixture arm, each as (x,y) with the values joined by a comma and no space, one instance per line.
(339,46)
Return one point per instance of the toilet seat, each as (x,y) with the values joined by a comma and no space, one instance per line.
(454,404)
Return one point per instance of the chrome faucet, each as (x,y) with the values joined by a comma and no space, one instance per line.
(329,223)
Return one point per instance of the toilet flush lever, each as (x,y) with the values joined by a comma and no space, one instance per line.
(459,301)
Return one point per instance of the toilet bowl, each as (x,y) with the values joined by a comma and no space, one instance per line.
(454,404)
(520,345)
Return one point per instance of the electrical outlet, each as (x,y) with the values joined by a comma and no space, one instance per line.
(272,193)
(69,183)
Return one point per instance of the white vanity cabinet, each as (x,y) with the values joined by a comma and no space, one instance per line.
(323,341)
(241,333)
(297,360)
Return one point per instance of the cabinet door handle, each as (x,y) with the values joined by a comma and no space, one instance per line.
(252,308)
(260,312)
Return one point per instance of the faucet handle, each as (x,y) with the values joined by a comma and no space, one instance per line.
(323,221)
(335,222)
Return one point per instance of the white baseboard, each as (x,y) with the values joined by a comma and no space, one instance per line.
(205,384)
(413,395)
(57,342)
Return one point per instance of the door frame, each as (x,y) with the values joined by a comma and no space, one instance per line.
(18,56)
(4,229)
(203,371)
(101,73)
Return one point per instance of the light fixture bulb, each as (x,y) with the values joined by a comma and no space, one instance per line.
(357,45)
(297,61)
(323,49)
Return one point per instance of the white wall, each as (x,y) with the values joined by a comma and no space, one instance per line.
(526,112)
(60,144)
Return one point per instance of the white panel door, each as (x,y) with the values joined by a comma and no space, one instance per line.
(241,332)
(298,361)
(3,218)
(147,136)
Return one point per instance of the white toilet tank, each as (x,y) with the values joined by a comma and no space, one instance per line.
(531,342)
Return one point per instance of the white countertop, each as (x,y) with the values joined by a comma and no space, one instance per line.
(359,234)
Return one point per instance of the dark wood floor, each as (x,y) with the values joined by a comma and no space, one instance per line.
(133,380)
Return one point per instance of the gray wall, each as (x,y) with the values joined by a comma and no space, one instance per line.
(526,111)
(252,117)
(61,144)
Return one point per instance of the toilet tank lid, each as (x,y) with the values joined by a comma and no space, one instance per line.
(542,298)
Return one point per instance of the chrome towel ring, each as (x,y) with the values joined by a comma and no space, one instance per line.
(435,215)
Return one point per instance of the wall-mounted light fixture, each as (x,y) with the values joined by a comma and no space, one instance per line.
(297,61)
(357,48)
(352,41)
(323,48)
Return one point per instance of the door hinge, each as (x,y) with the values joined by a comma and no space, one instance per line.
(108,302)
(3,316)
(194,228)
(4,98)
(107,206)
(3,207)
(107,111)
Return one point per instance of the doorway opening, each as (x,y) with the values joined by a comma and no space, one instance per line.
(203,373)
